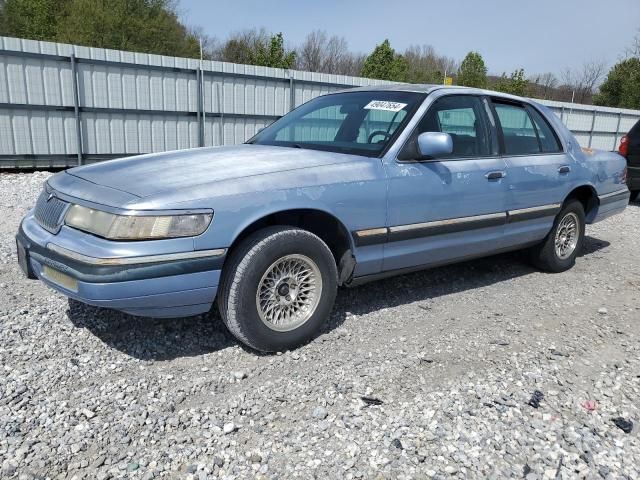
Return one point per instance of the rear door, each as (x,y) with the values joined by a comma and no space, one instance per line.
(539,172)
(446,209)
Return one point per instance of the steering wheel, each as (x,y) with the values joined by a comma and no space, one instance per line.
(378,132)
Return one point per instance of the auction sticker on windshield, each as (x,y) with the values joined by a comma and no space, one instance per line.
(385,105)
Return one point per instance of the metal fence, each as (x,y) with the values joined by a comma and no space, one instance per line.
(63,105)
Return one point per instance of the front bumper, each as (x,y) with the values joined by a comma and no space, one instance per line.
(95,271)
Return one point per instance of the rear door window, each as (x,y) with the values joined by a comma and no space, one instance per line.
(525,131)
(548,139)
(519,134)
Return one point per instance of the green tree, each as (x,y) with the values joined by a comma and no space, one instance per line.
(257,47)
(149,26)
(622,87)
(35,19)
(515,84)
(473,71)
(426,66)
(236,50)
(274,54)
(385,64)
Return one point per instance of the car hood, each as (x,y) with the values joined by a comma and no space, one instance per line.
(148,175)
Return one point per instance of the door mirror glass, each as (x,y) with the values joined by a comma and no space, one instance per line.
(434,145)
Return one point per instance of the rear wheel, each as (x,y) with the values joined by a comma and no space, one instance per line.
(560,248)
(278,288)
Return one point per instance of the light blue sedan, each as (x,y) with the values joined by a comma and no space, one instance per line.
(350,187)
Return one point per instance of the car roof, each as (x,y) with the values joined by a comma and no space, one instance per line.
(428,88)
(393,87)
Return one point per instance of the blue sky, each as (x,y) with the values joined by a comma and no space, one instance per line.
(537,35)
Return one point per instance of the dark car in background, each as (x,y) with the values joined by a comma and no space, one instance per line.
(630,149)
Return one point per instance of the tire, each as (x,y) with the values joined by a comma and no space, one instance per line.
(634,195)
(546,256)
(263,260)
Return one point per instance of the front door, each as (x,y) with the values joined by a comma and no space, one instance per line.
(446,209)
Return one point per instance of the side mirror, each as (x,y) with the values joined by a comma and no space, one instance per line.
(434,144)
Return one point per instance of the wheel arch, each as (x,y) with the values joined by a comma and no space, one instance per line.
(587,195)
(320,222)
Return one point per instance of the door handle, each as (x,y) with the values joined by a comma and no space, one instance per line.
(495,175)
(564,169)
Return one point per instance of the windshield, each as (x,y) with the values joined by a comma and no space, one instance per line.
(361,123)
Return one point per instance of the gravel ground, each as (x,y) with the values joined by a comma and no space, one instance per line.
(425,375)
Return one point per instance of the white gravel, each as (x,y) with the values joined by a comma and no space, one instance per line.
(425,375)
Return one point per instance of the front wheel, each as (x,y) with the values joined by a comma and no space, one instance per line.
(560,248)
(277,288)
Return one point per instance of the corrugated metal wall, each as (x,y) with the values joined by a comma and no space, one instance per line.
(597,127)
(64,104)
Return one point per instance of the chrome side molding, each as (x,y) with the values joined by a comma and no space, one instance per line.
(373,236)
(532,213)
(452,225)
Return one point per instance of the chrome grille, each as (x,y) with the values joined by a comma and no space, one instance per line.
(49,211)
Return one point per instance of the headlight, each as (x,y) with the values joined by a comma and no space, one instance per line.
(132,227)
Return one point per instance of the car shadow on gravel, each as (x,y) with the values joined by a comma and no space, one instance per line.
(167,339)
(428,285)
(152,338)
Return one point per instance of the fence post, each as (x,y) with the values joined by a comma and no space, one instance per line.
(292,92)
(76,106)
(593,124)
(200,107)
(615,137)
(220,91)
(204,108)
